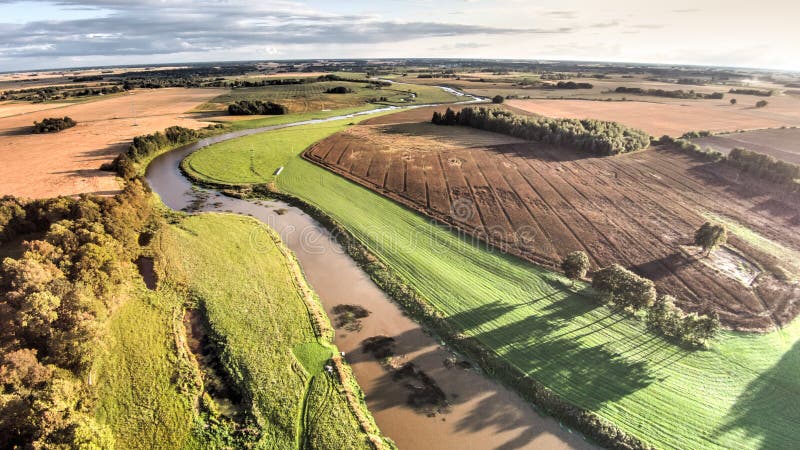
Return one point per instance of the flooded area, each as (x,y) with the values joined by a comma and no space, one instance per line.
(477,413)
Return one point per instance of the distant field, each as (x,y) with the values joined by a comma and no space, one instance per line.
(541,202)
(739,394)
(669,118)
(258,318)
(781,143)
(68,162)
(309,97)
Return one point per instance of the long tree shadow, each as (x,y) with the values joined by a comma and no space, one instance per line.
(769,408)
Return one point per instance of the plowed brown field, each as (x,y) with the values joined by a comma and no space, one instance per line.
(541,202)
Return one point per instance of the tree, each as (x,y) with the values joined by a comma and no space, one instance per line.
(575,265)
(761,103)
(710,236)
(624,287)
(733,101)
(498,99)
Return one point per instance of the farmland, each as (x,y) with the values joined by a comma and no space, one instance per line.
(67,163)
(541,202)
(781,143)
(308,97)
(669,118)
(737,394)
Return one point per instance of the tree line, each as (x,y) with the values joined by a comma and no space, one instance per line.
(53,124)
(758,92)
(570,85)
(679,93)
(149,144)
(632,292)
(762,166)
(55,300)
(256,107)
(594,136)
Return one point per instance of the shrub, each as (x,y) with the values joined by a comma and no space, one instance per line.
(575,265)
(53,125)
(338,90)
(498,99)
(624,287)
(761,103)
(733,101)
(710,236)
(256,107)
(594,136)
(691,328)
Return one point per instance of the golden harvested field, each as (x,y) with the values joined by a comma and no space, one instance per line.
(15,108)
(67,163)
(674,118)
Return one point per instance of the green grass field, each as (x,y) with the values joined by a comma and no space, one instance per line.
(740,394)
(261,325)
(309,97)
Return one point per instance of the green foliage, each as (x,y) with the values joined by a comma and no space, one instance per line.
(764,166)
(692,328)
(624,287)
(594,136)
(670,94)
(575,265)
(54,304)
(710,236)
(256,107)
(53,125)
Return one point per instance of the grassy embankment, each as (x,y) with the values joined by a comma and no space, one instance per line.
(741,393)
(257,315)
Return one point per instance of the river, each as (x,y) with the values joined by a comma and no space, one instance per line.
(482,413)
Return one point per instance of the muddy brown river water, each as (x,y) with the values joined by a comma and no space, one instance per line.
(482,414)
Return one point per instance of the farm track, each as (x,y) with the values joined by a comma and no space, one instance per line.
(541,202)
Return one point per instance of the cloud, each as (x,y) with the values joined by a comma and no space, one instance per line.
(154,27)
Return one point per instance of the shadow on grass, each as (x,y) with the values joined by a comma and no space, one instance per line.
(769,408)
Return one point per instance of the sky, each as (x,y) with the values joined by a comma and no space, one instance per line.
(76,33)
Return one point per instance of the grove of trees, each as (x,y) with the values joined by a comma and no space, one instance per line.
(53,124)
(624,287)
(758,92)
(761,103)
(594,136)
(55,300)
(256,107)
(680,93)
(338,90)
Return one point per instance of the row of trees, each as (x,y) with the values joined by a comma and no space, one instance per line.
(54,302)
(758,92)
(256,107)
(595,136)
(53,124)
(679,93)
(764,166)
(633,292)
(571,85)
(338,90)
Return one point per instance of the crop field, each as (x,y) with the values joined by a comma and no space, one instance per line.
(308,97)
(672,118)
(68,162)
(259,321)
(782,143)
(541,202)
(740,393)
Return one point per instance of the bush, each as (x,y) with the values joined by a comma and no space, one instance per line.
(498,99)
(256,107)
(710,236)
(595,136)
(761,103)
(575,265)
(691,329)
(53,125)
(338,90)
(624,287)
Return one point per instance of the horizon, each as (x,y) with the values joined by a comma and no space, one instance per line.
(51,35)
